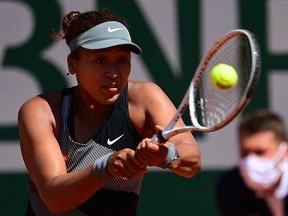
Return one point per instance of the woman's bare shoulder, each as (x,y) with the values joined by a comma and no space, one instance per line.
(51,99)
(43,107)
(147,104)
(140,89)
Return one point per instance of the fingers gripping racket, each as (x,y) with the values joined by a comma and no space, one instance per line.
(212,108)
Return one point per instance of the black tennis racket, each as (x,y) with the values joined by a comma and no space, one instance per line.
(212,108)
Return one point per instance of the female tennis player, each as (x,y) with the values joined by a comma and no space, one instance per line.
(87,148)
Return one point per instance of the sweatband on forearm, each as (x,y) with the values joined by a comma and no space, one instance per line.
(100,168)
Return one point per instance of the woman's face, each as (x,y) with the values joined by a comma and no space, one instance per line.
(101,74)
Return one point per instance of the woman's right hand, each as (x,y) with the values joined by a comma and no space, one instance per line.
(123,163)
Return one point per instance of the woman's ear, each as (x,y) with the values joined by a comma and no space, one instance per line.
(71,64)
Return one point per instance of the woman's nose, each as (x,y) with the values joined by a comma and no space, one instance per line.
(112,71)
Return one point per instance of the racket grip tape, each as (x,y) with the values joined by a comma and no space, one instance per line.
(158,138)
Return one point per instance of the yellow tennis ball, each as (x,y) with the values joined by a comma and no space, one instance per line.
(224,76)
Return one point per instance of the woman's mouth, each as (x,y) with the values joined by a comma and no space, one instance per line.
(112,87)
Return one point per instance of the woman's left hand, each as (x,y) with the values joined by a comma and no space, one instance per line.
(151,154)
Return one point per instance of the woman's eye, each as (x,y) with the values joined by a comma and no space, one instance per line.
(123,60)
(101,60)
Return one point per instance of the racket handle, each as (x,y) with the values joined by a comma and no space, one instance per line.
(158,138)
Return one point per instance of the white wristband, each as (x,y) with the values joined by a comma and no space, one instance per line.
(100,168)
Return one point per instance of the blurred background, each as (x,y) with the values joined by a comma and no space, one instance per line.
(174,35)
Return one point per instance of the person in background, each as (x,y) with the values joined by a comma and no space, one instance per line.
(87,148)
(259,184)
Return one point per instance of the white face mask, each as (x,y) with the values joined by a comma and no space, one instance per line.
(263,171)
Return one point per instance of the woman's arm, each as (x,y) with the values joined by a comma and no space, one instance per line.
(45,163)
(157,110)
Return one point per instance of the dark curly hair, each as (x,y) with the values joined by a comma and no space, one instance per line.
(75,23)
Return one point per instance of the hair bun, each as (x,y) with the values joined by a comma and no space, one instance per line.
(68,19)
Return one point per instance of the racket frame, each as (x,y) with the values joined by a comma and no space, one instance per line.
(188,99)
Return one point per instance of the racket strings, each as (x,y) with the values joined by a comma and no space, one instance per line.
(214,106)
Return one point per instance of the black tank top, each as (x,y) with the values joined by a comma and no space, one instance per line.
(118,196)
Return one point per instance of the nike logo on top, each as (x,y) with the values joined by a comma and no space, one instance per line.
(113,29)
(111,142)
